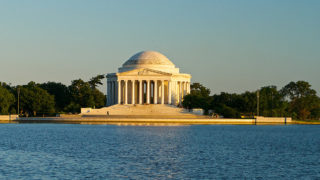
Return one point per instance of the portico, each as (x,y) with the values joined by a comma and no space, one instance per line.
(147,78)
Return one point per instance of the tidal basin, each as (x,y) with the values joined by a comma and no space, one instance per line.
(73,151)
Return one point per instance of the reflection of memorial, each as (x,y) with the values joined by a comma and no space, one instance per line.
(148,77)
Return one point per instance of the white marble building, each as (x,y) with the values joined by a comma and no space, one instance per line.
(148,77)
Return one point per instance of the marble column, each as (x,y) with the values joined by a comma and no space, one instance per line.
(126,92)
(111,92)
(169,92)
(140,92)
(148,91)
(108,93)
(174,92)
(107,103)
(133,93)
(119,91)
(155,94)
(181,92)
(162,92)
(115,96)
(177,92)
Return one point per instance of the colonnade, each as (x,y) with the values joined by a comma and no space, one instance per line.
(146,91)
(111,92)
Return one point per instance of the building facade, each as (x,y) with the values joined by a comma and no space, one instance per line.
(148,77)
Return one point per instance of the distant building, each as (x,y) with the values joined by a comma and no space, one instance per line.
(148,77)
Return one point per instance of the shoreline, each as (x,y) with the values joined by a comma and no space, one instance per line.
(149,121)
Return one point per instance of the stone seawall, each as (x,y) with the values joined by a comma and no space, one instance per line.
(261,119)
(8,117)
(134,121)
(150,120)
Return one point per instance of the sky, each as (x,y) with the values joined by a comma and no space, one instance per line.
(228,46)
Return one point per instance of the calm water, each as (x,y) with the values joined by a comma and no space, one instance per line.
(61,151)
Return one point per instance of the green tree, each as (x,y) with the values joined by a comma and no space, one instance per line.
(81,93)
(228,112)
(272,102)
(7,99)
(299,89)
(95,81)
(34,99)
(227,105)
(99,98)
(315,113)
(61,94)
(198,97)
(199,89)
(85,94)
(192,101)
(250,103)
(303,99)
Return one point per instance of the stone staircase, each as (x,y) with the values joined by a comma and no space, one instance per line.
(147,111)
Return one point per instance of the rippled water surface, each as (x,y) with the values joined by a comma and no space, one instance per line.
(62,151)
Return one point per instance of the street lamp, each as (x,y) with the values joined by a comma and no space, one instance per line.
(271,104)
(18,89)
(258,103)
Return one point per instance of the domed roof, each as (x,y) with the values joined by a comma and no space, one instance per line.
(148,58)
(151,60)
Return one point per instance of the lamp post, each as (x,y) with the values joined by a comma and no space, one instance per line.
(258,103)
(271,104)
(18,89)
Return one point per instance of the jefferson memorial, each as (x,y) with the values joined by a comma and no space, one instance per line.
(147,77)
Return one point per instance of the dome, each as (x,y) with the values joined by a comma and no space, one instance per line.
(148,59)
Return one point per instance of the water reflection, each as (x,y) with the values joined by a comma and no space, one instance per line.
(135,124)
(65,151)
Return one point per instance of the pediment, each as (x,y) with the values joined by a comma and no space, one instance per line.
(144,72)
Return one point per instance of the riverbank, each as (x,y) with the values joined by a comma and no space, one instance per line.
(146,120)
(307,122)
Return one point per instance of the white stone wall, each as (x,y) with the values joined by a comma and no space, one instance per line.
(9,117)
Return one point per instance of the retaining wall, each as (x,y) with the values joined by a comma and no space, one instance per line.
(261,119)
(8,117)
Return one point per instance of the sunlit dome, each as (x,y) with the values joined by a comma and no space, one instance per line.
(149,59)
(147,77)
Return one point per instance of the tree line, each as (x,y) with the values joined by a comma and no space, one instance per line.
(297,100)
(34,99)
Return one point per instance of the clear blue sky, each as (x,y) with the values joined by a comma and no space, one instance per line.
(229,46)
